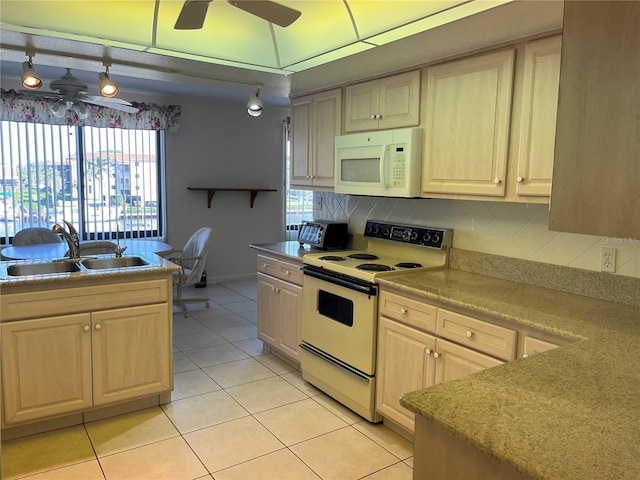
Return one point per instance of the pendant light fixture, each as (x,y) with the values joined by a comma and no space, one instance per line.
(254,105)
(108,87)
(30,78)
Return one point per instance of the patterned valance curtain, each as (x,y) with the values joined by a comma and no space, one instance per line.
(17,107)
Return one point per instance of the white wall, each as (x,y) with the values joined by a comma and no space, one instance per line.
(508,229)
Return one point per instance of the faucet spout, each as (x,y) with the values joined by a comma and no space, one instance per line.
(71,237)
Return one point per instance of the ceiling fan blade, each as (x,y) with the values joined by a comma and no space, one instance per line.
(115,103)
(269,11)
(192,15)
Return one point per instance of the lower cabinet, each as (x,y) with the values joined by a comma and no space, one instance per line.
(57,365)
(280,305)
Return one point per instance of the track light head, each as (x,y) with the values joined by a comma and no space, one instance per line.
(108,87)
(254,105)
(30,78)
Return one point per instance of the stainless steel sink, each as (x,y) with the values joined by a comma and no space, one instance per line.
(113,262)
(43,268)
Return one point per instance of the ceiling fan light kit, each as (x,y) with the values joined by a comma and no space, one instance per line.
(254,105)
(30,78)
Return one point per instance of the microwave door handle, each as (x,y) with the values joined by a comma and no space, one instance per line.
(384,166)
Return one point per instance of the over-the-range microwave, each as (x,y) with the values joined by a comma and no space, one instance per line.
(384,163)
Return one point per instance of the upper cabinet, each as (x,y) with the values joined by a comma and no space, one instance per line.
(466,127)
(596,173)
(390,102)
(534,129)
(315,122)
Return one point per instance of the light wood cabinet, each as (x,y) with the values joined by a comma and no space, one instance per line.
(534,138)
(467,105)
(596,169)
(389,102)
(280,304)
(315,122)
(532,345)
(455,361)
(77,361)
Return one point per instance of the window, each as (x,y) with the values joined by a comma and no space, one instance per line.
(299,203)
(105,181)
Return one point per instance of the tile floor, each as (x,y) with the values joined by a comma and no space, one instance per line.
(237,412)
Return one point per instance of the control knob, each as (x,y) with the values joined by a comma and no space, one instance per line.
(414,235)
(427,237)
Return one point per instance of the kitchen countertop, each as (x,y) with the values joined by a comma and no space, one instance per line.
(569,413)
(290,249)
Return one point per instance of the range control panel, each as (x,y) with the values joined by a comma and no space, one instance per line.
(415,235)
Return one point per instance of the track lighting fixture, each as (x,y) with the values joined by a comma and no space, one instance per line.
(30,78)
(254,105)
(108,87)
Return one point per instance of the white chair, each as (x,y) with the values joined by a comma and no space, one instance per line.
(35,236)
(192,258)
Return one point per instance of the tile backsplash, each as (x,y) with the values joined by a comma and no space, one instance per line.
(515,230)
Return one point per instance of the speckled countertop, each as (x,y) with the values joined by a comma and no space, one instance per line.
(290,249)
(569,413)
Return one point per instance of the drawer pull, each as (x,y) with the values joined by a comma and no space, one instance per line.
(287,272)
(436,355)
(469,334)
(86,328)
(98,326)
(403,311)
(428,351)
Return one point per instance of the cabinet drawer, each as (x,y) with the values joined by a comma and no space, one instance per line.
(289,272)
(267,265)
(477,334)
(411,312)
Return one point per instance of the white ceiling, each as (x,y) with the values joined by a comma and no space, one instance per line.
(313,53)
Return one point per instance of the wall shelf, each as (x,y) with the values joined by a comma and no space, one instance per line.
(211,191)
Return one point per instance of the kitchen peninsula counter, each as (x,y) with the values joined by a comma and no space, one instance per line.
(569,413)
(291,249)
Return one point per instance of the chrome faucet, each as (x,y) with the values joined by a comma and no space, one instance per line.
(72,238)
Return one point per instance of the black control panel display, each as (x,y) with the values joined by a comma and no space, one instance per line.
(414,235)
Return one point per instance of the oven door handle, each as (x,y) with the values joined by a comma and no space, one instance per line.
(337,279)
(323,356)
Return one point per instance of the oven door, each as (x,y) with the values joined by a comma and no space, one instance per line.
(340,317)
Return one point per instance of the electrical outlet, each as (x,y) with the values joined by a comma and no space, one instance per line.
(317,203)
(608,259)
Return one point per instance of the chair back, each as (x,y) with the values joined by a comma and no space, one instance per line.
(197,246)
(35,236)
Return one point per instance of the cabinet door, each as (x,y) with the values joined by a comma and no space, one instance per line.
(455,362)
(533,345)
(46,367)
(537,134)
(467,117)
(268,322)
(596,168)
(403,366)
(131,353)
(327,125)
(399,98)
(301,140)
(361,106)
(290,315)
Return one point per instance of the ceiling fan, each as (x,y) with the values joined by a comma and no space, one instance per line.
(194,12)
(72,93)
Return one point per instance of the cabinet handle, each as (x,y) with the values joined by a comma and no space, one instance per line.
(428,351)
(86,328)
(436,355)
(403,311)
(373,117)
(469,334)
(520,179)
(287,272)
(497,181)
(525,355)
(98,326)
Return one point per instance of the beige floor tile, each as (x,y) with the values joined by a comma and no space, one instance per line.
(203,411)
(399,471)
(187,326)
(226,321)
(280,465)
(245,306)
(337,408)
(266,394)
(274,363)
(241,332)
(250,316)
(208,356)
(132,430)
(231,443)
(170,459)
(214,311)
(299,421)
(182,363)
(387,438)
(45,451)
(253,347)
(191,341)
(343,454)
(80,471)
(191,383)
(236,373)
(295,379)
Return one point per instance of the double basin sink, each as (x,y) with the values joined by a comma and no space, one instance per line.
(74,265)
